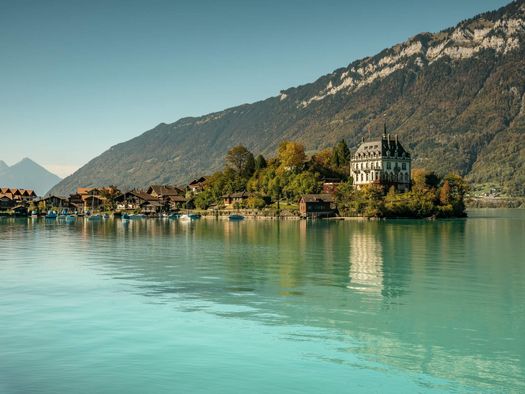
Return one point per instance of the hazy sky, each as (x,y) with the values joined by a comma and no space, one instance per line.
(77,77)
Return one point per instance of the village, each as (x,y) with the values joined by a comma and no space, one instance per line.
(376,181)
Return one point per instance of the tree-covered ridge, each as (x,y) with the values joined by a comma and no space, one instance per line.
(455,98)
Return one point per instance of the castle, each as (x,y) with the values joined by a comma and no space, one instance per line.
(384,162)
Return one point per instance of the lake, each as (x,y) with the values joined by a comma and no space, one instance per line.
(160,306)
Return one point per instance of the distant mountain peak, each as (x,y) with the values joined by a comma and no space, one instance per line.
(27,174)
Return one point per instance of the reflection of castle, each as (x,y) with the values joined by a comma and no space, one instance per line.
(366,263)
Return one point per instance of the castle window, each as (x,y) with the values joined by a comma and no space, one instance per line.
(388,165)
(404,166)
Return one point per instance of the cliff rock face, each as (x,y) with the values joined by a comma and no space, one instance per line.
(456,98)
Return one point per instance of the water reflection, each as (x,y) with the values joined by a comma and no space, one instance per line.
(366,262)
(444,299)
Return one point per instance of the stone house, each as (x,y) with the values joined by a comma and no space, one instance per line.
(384,162)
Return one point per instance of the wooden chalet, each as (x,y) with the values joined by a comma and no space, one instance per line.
(18,194)
(197,185)
(317,205)
(55,202)
(134,199)
(6,201)
(163,192)
(230,200)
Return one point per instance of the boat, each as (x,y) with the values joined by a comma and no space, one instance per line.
(235,217)
(174,216)
(34,214)
(51,215)
(105,216)
(124,216)
(71,218)
(94,217)
(188,217)
(137,216)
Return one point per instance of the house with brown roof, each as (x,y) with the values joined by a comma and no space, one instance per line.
(172,197)
(164,191)
(317,205)
(55,202)
(197,185)
(133,199)
(236,199)
(18,194)
(6,201)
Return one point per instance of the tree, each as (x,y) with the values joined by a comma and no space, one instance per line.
(260,163)
(241,160)
(340,154)
(302,183)
(109,194)
(323,158)
(458,189)
(444,193)
(291,154)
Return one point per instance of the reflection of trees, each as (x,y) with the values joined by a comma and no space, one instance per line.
(397,264)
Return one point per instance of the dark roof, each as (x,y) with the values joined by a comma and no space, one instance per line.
(139,194)
(52,196)
(198,181)
(164,190)
(177,199)
(153,203)
(388,145)
(237,195)
(318,198)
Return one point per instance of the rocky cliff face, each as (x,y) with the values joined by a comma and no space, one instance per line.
(456,98)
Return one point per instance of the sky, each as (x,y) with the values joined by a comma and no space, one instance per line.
(77,77)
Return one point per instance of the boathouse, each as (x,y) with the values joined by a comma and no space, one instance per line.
(317,205)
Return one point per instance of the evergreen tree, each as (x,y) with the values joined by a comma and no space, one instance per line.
(340,154)
(260,163)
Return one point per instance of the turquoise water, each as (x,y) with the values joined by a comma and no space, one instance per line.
(159,306)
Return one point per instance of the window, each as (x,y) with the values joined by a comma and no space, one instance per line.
(404,166)
(388,165)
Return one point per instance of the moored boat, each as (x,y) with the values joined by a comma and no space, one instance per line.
(235,217)
(51,215)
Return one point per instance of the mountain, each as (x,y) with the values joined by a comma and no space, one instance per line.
(26,174)
(456,98)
